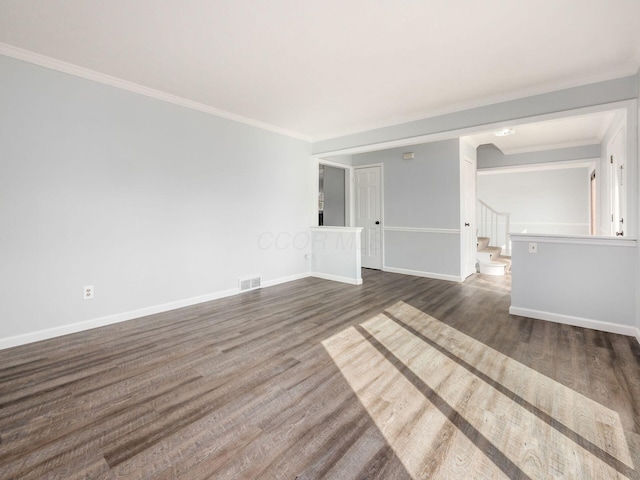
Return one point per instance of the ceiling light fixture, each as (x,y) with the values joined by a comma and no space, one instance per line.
(504,132)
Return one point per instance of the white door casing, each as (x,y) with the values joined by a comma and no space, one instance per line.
(368,213)
(618,183)
(468,218)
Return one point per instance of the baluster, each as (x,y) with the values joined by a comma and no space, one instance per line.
(494,224)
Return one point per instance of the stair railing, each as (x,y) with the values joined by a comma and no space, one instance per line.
(495,226)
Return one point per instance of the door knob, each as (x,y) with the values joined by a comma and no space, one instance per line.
(377,222)
(466,224)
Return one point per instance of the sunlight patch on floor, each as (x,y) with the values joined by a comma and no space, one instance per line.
(452,407)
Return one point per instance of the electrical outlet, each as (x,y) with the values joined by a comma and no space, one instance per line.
(533,247)
(88,292)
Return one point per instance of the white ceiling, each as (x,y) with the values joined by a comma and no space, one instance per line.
(322,68)
(565,132)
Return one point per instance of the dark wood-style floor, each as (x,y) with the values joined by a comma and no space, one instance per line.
(402,377)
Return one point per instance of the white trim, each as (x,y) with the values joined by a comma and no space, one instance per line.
(124,316)
(111,319)
(574,240)
(290,278)
(492,268)
(628,105)
(337,278)
(552,146)
(547,223)
(87,74)
(468,251)
(418,273)
(449,231)
(314,190)
(574,321)
(638,334)
(337,229)
(535,167)
(322,161)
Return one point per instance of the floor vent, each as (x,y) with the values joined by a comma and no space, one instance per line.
(250,283)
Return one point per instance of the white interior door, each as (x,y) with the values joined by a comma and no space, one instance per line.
(617,164)
(468,218)
(368,208)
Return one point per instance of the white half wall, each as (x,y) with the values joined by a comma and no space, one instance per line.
(336,254)
(588,282)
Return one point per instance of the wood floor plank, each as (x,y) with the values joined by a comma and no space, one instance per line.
(401,377)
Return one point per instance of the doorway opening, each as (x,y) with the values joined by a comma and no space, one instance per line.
(332,198)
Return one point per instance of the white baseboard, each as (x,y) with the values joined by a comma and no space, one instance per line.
(576,321)
(337,278)
(290,278)
(418,273)
(124,316)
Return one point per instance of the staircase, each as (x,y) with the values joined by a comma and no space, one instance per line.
(490,259)
(494,225)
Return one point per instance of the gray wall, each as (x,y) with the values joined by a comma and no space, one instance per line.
(540,202)
(149,202)
(561,100)
(490,156)
(594,283)
(548,201)
(423,193)
(334,196)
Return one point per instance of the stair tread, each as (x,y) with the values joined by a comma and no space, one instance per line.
(491,250)
(482,242)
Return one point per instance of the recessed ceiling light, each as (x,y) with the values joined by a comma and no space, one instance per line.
(504,132)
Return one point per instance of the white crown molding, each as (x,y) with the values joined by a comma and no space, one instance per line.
(607,121)
(71,69)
